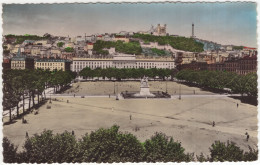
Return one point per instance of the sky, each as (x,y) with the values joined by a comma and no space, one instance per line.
(224,23)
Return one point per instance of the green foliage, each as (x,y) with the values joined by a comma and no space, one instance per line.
(127,48)
(49,148)
(109,145)
(69,49)
(202,158)
(21,38)
(216,79)
(163,149)
(251,155)
(126,73)
(180,43)
(17,83)
(220,151)
(9,151)
(158,52)
(60,44)
(238,47)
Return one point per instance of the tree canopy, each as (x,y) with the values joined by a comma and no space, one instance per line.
(243,84)
(60,44)
(110,145)
(69,49)
(126,73)
(21,38)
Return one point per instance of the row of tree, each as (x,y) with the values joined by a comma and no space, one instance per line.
(180,43)
(111,145)
(133,47)
(19,84)
(242,84)
(126,73)
(21,38)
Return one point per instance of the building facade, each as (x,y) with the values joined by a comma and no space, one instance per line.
(52,64)
(22,62)
(121,61)
(242,66)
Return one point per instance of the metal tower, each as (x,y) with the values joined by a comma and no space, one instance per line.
(192,35)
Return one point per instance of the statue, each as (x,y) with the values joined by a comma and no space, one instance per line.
(144,82)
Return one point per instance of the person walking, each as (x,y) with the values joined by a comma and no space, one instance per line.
(130,117)
(213,124)
(247,136)
(26,134)
(237,105)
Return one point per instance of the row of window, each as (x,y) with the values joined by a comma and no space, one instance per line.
(78,68)
(49,64)
(51,68)
(123,63)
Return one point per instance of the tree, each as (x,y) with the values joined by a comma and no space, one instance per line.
(50,148)
(60,44)
(161,148)
(221,151)
(110,145)
(9,151)
(69,49)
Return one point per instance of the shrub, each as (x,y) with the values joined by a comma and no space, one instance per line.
(9,151)
(109,145)
(162,149)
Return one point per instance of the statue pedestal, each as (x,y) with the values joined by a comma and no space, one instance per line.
(145,91)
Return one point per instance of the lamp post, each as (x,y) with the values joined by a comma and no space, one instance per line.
(117,92)
(50,96)
(166,87)
(114,87)
(180,93)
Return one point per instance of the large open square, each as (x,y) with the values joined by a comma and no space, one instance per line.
(188,120)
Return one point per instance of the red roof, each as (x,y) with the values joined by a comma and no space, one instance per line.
(249,48)
(100,36)
(90,43)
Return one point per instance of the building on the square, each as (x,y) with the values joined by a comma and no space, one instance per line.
(242,66)
(52,64)
(247,65)
(121,61)
(22,62)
